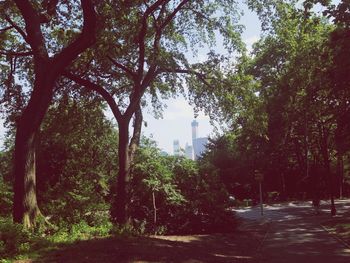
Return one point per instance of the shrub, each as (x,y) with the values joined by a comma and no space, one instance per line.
(80,231)
(171,195)
(13,238)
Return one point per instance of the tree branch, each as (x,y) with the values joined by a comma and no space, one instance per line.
(86,38)
(2,30)
(15,26)
(200,76)
(122,67)
(34,35)
(97,88)
(142,35)
(173,14)
(16,54)
(156,43)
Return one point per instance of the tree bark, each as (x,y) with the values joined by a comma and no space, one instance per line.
(119,210)
(327,165)
(126,153)
(154,212)
(46,71)
(340,173)
(135,140)
(25,206)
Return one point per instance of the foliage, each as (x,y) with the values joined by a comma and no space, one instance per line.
(293,129)
(14,239)
(76,160)
(140,54)
(6,194)
(185,198)
(19,243)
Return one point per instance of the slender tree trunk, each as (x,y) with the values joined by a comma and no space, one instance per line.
(340,173)
(25,207)
(283,195)
(327,166)
(154,211)
(119,211)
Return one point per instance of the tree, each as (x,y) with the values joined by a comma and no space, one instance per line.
(48,61)
(144,55)
(75,161)
(289,110)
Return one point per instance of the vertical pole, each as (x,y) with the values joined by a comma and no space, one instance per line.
(261,199)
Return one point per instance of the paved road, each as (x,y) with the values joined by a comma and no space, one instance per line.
(295,233)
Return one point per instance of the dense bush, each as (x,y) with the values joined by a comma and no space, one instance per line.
(173,195)
(17,242)
(76,162)
(13,238)
(6,196)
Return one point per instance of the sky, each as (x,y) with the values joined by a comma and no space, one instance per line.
(176,123)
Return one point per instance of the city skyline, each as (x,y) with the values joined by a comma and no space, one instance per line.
(194,150)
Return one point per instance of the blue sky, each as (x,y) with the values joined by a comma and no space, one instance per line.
(176,123)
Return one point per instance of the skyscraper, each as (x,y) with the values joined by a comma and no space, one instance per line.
(198,144)
(194,125)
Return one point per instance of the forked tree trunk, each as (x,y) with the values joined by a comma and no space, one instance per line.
(46,72)
(126,154)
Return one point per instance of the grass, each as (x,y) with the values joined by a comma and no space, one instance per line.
(17,243)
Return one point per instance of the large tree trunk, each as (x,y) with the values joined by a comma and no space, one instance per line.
(135,140)
(119,209)
(46,71)
(25,207)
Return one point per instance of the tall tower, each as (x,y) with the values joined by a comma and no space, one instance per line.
(194,125)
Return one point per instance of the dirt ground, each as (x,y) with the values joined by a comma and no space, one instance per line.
(240,246)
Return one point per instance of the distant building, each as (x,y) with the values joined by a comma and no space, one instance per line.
(176,147)
(189,151)
(164,153)
(198,144)
(197,148)
(194,125)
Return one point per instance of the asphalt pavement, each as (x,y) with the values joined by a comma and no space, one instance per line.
(295,233)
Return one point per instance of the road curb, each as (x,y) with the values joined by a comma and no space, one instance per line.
(333,234)
(259,249)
